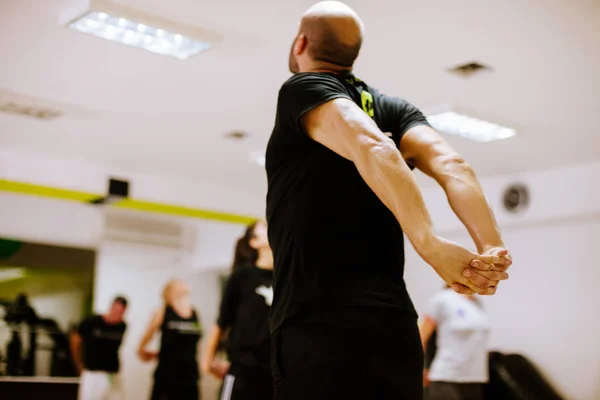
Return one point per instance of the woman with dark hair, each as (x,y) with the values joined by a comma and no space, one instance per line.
(244,253)
(244,318)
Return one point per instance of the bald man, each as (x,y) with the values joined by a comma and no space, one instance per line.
(341,195)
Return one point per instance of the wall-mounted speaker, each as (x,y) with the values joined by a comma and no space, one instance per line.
(117,190)
(515,198)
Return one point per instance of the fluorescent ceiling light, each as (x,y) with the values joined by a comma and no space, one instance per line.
(134,28)
(462,124)
(9,274)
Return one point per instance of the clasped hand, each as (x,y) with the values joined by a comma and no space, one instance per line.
(467,272)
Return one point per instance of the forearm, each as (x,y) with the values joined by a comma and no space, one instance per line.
(470,205)
(76,352)
(384,170)
(146,340)
(212,345)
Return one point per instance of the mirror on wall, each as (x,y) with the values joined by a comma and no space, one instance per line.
(44,292)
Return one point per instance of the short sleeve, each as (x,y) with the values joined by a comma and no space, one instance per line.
(435,309)
(84,328)
(229,302)
(305,91)
(405,116)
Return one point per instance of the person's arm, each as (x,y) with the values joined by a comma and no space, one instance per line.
(341,126)
(424,148)
(227,315)
(210,364)
(155,323)
(75,343)
(210,353)
(426,328)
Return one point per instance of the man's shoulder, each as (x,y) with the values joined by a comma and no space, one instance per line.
(386,100)
(92,319)
(88,322)
(305,79)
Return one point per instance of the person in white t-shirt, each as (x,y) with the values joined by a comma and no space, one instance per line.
(459,369)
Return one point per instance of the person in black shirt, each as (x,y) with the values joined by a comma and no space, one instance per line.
(176,376)
(244,317)
(340,196)
(95,349)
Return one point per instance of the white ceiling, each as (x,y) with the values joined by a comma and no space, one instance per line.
(153,114)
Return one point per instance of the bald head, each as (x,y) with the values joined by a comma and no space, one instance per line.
(333,33)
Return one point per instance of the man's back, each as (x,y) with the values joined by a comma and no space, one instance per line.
(337,247)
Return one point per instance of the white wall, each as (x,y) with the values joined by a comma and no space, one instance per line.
(548,309)
(64,307)
(77,174)
(140,272)
(51,221)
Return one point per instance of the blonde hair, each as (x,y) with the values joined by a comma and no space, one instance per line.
(168,287)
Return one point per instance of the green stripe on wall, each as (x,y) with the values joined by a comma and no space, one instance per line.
(183,211)
(46,191)
(139,205)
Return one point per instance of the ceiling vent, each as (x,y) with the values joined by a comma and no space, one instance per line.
(237,135)
(38,108)
(133,228)
(25,106)
(469,69)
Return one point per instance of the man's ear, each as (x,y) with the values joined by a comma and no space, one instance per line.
(300,44)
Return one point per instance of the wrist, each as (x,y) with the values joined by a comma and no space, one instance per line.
(487,247)
(425,243)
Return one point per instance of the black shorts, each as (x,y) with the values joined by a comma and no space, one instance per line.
(165,389)
(255,387)
(322,362)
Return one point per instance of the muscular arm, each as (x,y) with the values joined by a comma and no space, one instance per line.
(344,128)
(428,151)
(75,343)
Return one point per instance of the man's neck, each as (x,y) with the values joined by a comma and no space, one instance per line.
(109,320)
(325,67)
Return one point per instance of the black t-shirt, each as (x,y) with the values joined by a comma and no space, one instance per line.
(245,310)
(178,356)
(339,252)
(101,342)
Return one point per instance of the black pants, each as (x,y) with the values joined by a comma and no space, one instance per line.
(255,387)
(173,390)
(455,391)
(324,362)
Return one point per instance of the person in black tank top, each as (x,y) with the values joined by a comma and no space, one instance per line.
(244,318)
(176,376)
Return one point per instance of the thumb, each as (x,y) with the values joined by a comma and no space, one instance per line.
(482,262)
(502,252)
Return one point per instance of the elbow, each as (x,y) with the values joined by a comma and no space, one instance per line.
(453,169)
(374,149)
